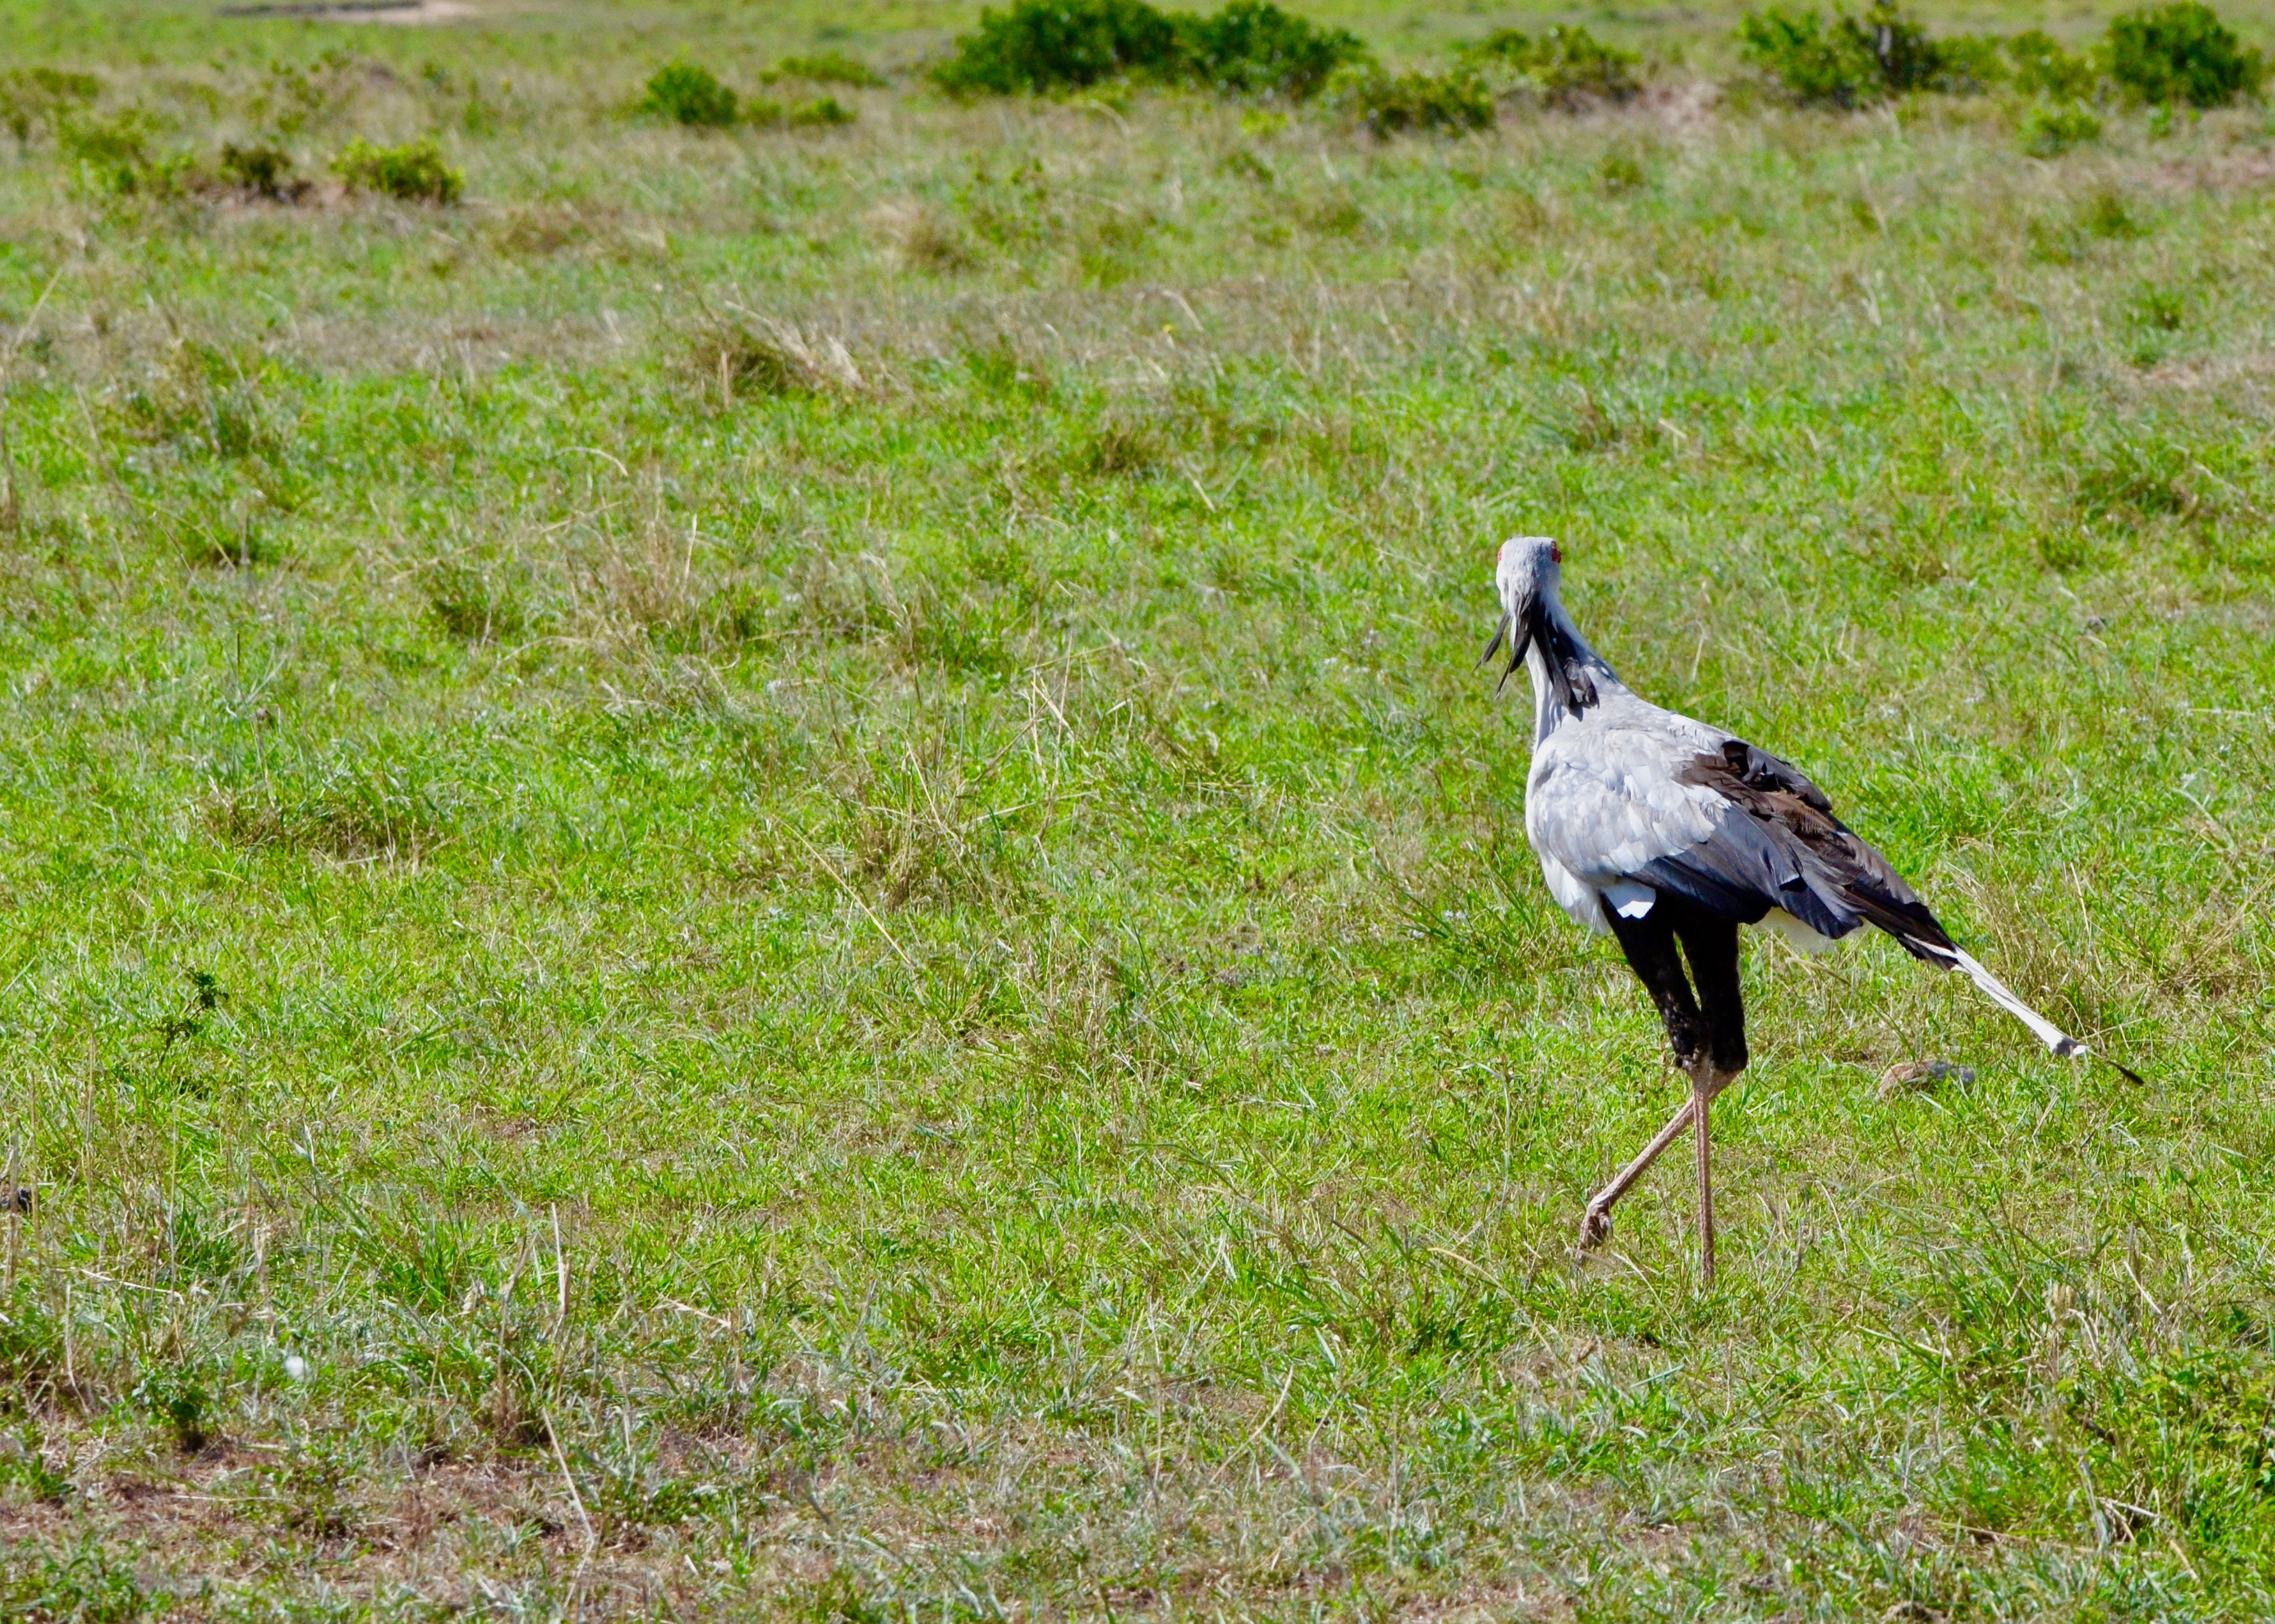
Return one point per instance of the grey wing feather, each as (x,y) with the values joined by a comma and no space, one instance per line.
(1605,796)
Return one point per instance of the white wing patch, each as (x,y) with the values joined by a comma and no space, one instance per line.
(1629,900)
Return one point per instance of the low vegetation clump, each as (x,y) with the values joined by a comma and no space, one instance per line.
(825,68)
(123,153)
(31,98)
(414,173)
(819,112)
(1392,103)
(1252,47)
(2175,55)
(1045,45)
(1249,47)
(683,93)
(261,170)
(1851,62)
(2040,66)
(2181,53)
(1565,67)
(2049,131)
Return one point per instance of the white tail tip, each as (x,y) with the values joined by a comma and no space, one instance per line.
(2046,1032)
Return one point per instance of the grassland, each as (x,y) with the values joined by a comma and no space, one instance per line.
(762,876)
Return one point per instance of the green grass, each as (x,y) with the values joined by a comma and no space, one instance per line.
(778,845)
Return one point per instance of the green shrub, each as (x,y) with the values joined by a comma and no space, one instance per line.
(1621,172)
(1968,64)
(1857,60)
(1060,44)
(414,173)
(2050,131)
(1252,46)
(263,171)
(822,110)
(118,154)
(2107,215)
(118,145)
(684,93)
(827,68)
(2181,53)
(819,112)
(1249,46)
(1389,102)
(181,1401)
(34,97)
(1908,59)
(2043,68)
(1567,67)
(1812,66)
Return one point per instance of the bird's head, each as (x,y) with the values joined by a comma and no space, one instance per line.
(1528,571)
(1527,578)
(1524,576)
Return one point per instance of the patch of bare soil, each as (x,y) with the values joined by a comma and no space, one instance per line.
(400,11)
(2239,170)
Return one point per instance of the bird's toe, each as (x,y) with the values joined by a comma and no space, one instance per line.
(1595,1229)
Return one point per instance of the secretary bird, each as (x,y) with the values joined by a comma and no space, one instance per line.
(1667,832)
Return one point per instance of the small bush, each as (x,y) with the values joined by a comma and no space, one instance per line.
(681,92)
(2181,53)
(1907,58)
(1040,45)
(1387,104)
(761,356)
(827,68)
(1567,67)
(119,154)
(765,112)
(469,605)
(181,1402)
(1252,46)
(262,171)
(1859,60)
(1968,64)
(1621,172)
(1249,47)
(2043,68)
(33,97)
(2050,131)
(414,173)
(821,111)
(2164,310)
(1810,65)
(2107,215)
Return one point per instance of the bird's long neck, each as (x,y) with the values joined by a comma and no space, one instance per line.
(1556,638)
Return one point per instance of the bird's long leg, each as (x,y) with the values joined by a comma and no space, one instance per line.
(1702,1097)
(1650,946)
(1595,1225)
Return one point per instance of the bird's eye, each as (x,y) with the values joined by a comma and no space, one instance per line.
(1555,554)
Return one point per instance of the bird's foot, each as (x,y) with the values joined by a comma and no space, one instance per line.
(1595,1229)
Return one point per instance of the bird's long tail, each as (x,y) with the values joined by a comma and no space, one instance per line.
(2046,1032)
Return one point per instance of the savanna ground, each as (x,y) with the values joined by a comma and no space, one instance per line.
(763,876)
